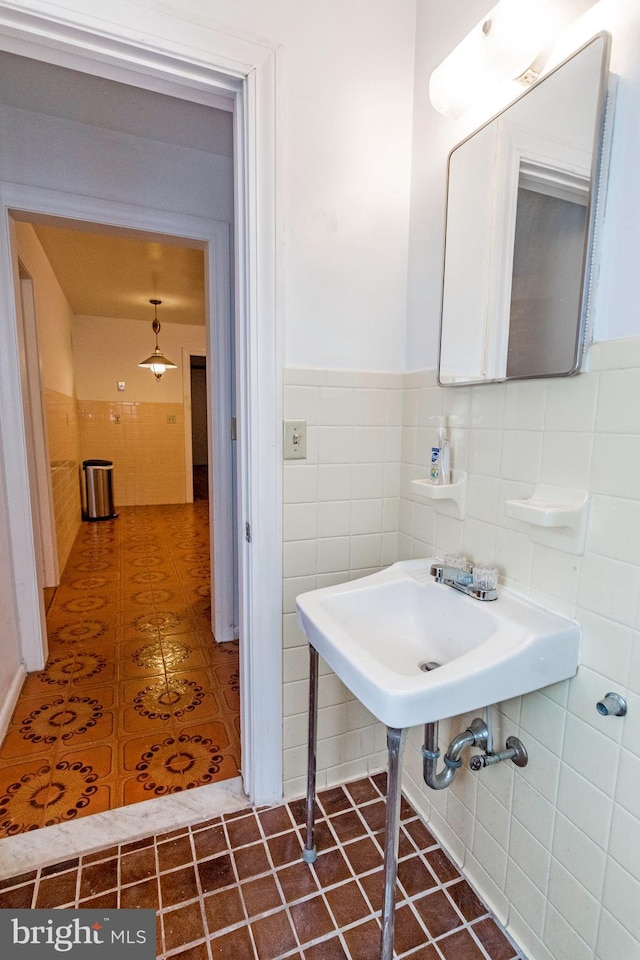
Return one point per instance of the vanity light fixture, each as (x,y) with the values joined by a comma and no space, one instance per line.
(508,47)
(157,362)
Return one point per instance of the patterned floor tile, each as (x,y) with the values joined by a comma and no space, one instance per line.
(131,669)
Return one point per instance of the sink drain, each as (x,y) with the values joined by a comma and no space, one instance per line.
(427,665)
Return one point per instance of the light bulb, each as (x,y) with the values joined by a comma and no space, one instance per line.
(498,51)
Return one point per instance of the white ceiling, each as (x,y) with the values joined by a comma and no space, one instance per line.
(108,274)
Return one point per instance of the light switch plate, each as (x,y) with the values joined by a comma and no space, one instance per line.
(295,439)
(121,385)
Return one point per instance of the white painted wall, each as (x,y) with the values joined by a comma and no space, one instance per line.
(347,85)
(108,349)
(439,28)
(53,312)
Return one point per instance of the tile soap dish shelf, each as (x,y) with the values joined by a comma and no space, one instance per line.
(558,516)
(447,498)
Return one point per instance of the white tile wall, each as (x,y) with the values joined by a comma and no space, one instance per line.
(554,847)
(341,514)
(560,851)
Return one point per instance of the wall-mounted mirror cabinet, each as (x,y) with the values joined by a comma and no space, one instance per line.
(519,230)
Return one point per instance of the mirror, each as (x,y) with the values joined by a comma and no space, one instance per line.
(519,230)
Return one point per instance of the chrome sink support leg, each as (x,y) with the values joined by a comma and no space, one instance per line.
(309,852)
(395,745)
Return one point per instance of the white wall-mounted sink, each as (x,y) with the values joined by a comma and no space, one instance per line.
(376,632)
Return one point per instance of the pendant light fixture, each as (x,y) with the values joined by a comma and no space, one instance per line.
(157,362)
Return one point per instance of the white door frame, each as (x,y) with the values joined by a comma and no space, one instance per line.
(225,68)
(187,353)
(35,423)
(225,615)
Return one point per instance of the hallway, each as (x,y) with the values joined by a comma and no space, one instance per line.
(137,700)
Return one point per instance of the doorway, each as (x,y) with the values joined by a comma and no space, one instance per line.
(252,91)
(94,280)
(129,628)
(199,420)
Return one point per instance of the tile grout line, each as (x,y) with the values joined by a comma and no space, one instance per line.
(277,880)
(374,915)
(201,895)
(238,883)
(409,900)
(253,815)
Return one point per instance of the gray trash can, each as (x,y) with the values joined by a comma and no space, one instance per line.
(98,476)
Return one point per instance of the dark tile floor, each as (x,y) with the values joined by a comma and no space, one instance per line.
(235,887)
(136,700)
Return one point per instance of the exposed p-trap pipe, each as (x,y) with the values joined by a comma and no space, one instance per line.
(475,735)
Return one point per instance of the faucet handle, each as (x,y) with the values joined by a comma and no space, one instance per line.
(484,585)
(484,577)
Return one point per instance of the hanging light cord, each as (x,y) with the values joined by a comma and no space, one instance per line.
(155,326)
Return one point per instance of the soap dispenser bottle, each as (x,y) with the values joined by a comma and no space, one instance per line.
(440,469)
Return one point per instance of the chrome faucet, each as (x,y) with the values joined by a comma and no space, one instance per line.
(478,582)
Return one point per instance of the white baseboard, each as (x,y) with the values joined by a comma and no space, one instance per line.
(8,706)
